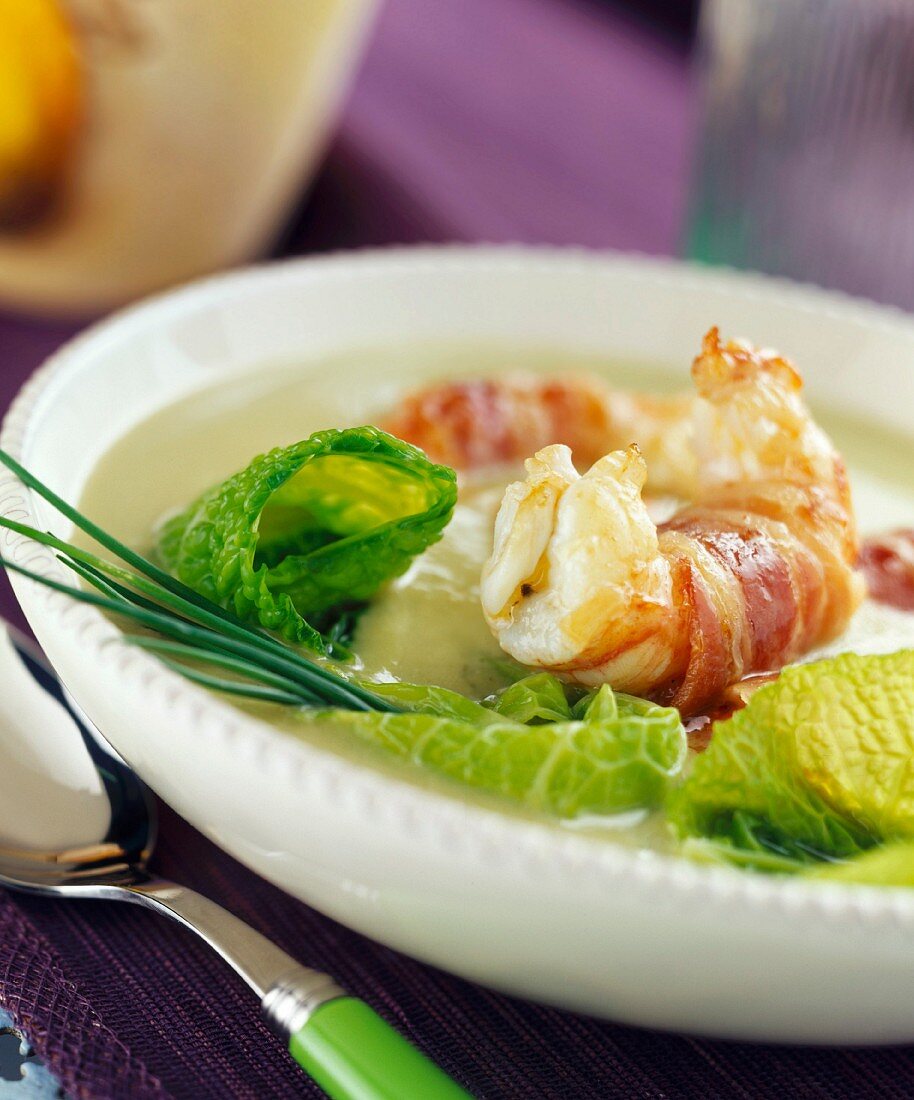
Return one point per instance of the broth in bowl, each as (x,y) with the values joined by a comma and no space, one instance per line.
(426,625)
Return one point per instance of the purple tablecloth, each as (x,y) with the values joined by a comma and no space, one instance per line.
(539,120)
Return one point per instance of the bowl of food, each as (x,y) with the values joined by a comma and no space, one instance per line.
(503,605)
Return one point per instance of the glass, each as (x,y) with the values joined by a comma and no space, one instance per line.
(805,159)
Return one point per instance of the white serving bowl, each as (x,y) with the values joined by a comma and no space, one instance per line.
(524,907)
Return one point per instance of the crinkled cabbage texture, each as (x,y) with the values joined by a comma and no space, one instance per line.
(306,528)
(818,766)
(604,754)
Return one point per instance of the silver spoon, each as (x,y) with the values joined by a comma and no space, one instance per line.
(76,822)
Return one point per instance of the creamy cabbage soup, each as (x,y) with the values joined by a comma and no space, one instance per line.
(427,625)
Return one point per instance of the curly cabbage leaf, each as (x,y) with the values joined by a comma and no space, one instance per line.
(604,755)
(532,699)
(309,527)
(818,766)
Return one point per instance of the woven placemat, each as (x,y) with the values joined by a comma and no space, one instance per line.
(121,1003)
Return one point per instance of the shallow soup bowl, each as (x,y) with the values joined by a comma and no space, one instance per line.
(522,905)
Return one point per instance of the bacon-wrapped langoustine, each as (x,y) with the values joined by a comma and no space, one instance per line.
(755,572)
(476,424)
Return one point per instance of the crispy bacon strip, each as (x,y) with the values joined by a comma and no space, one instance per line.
(887,564)
(765,583)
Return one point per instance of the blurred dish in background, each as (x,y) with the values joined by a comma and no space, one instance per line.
(806,155)
(145,142)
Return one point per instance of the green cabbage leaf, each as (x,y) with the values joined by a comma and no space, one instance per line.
(315,526)
(604,754)
(819,766)
(890,865)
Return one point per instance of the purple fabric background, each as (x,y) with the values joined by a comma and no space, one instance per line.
(539,120)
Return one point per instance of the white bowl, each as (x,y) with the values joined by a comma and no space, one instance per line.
(525,907)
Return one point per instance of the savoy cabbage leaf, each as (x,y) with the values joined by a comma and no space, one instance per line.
(310,527)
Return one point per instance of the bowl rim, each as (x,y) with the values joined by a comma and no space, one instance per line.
(531,847)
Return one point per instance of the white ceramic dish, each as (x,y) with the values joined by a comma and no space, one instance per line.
(520,906)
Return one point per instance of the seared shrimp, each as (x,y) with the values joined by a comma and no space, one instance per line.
(478,424)
(755,572)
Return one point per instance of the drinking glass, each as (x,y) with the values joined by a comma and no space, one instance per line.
(804,164)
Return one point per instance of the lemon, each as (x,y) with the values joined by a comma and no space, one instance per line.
(41,104)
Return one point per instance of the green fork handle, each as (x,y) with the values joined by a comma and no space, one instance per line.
(353,1054)
(341,1042)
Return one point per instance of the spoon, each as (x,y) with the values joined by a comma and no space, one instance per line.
(76,822)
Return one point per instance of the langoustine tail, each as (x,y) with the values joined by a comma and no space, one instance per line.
(752,575)
(477,424)
(582,580)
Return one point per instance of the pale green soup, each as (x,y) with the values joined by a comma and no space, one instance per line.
(427,626)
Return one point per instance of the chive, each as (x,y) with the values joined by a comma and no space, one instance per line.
(220,660)
(201,609)
(192,627)
(233,687)
(326,686)
(103,538)
(111,588)
(104,584)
